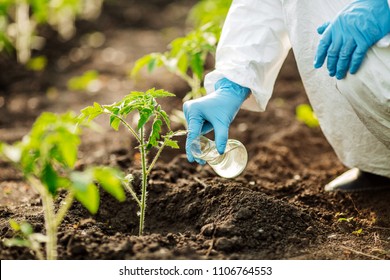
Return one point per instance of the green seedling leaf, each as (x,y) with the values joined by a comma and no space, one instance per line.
(86,192)
(68,151)
(115,122)
(358,232)
(49,178)
(155,134)
(91,112)
(156,93)
(83,82)
(182,63)
(111,180)
(26,229)
(197,65)
(172,143)
(144,115)
(14,225)
(152,64)
(17,241)
(165,117)
(305,114)
(37,63)
(345,219)
(151,61)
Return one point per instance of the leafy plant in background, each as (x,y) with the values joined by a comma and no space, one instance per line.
(19,20)
(187,55)
(88,81)
(209,11)
(186,58)
(47,157)
(144,104)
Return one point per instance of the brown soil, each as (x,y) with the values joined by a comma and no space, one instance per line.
(276,209)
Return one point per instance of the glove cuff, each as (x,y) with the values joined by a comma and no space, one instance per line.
(240,91)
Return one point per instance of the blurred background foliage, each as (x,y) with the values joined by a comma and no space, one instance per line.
(20,21)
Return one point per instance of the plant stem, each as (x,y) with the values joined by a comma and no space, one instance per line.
(132,131)
(39,254)
(196,87)
(132,192)
(64,208)
(144,182)
(156,158)
(50,220)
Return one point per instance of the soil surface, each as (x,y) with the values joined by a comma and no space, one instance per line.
(277,208)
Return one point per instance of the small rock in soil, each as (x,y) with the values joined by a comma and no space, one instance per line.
(244,213)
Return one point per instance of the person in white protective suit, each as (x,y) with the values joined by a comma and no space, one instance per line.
(350,94)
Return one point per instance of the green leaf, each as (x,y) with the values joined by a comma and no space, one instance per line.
(18,242)
(14,225)
(156,93)
(115,122)
(144,116)
(197,65)
(155,133)
(111,180)
(26,228)
(165,117)
(49,178)
(141,63)
(91,112)
(305,114)
(37,63)
(68,151)
(86,192)
(182,63)
(82,82)
(171,143)
(152,64)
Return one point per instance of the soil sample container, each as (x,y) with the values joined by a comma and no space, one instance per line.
(228,165)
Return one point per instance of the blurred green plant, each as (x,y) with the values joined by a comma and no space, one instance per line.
(209,11)
(37,63)
(147,109)
(25,237)
(20,19)
(305,114)
(88,81)
(47,157)
(187,55)
(186,58)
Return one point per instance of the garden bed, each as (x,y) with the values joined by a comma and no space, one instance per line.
(277,209)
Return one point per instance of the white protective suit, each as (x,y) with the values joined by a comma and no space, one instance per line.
(354,113)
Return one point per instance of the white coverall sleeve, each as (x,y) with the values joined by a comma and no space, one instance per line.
(252,48)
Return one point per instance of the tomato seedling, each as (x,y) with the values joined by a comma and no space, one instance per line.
(186,58)
(47,157)
(149,111)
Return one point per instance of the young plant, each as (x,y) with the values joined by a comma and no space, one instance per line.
(47,157)
(19,20)
(186,58)
(149,111)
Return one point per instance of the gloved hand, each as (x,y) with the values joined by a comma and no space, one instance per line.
(213,111)
(346,40)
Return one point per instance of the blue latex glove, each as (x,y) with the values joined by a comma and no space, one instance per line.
(346,40)
(214,111)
